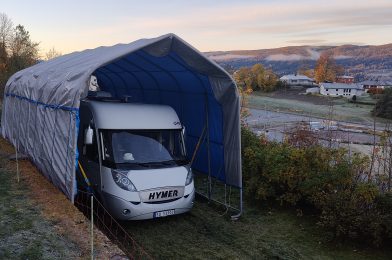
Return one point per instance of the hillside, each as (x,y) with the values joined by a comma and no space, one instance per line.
(363,62)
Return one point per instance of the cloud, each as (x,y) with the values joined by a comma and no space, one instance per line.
(342,57)
(313,55)
(243,25)
(278,17)
(285,57)
(307,41)
(225,57)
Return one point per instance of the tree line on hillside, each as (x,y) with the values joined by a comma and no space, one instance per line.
(357,60)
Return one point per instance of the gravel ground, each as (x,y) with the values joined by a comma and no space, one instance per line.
(24,234)
(315,106)
(279,122)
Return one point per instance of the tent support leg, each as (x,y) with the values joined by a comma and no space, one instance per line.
(237,216)
(208,152)
(217,202)
(17,163)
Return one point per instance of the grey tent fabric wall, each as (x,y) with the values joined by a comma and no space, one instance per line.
(47,134)
(41,104)
(232,138)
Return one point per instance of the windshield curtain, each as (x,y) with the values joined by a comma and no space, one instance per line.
(142,146)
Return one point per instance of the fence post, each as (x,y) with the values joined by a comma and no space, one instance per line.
(17,163)
(92,227)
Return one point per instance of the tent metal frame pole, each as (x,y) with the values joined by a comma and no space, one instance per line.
(237,216)
(220,203)
(239,110)
(17,146)
(127,60)
(170,75)
(208,151)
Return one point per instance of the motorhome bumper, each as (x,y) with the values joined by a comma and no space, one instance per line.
(126,210)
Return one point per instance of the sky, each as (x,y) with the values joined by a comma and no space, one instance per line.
(74,25)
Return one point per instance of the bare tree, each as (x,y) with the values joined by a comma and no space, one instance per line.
(329,122)
(389,159)
(6,28)
(374,150)
(52,53)
(386,145)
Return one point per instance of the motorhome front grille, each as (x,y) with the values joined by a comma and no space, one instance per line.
(160,202)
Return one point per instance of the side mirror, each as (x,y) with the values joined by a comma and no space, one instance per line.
(183,139)
(88,136)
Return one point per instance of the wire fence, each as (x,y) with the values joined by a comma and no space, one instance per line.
(90,206)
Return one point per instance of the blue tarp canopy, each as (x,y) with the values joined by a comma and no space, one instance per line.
(41,103)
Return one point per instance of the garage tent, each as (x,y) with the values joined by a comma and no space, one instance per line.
(40,113)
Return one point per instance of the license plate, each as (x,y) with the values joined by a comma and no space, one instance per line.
(165,213)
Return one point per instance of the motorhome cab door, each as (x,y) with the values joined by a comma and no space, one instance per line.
(88,148)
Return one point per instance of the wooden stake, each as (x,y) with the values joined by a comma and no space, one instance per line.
(92,227)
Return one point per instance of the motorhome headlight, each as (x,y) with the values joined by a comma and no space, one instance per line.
(121,179)
(189,177)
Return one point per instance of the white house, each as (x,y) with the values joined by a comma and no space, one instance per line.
(341,89)
(297,80)
(375,84)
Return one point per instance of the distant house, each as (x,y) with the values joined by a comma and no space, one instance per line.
(345,79)
(375,84)
(297,80)
(341,89)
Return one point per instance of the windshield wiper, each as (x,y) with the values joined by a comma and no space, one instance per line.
(182,161)
(166,163)
(170,162)
(134,163)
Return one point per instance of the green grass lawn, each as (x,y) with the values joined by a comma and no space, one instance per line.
(203,233)
(261,233)
(342,109)
(24,234)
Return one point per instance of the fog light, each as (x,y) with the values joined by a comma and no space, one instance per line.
(126,211)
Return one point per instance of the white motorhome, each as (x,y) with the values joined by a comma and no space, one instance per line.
(134,157)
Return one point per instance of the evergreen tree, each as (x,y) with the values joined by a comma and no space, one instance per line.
(24,52)
(383,107)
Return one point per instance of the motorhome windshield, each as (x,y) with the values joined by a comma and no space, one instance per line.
(142,147)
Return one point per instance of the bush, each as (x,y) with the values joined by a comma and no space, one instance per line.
(323,179)
(383,107)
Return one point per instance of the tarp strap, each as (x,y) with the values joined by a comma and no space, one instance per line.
(201,139)
(66,108)
(85,176)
